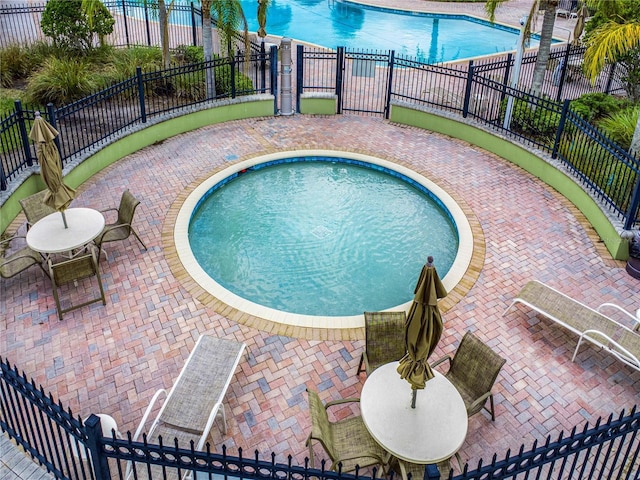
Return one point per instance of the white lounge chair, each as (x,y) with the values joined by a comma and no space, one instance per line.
(195,400)
(589,324)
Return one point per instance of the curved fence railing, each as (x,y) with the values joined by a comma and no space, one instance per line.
(99,118)
(364,82)
(71,448)
(478,92)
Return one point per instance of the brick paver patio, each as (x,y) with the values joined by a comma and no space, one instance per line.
(111,359)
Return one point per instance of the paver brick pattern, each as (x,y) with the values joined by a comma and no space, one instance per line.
(111,359)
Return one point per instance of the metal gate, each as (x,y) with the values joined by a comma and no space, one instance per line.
(363,81)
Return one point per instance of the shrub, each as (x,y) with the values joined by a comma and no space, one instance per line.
(61,81)
(17,61)
(125,61)
(11,65)
(620,125)
(593,106)
(535,122)
(187,54)
(68,25)
(223,81)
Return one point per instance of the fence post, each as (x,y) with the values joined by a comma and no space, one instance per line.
(339,76)
(126,24)
(23,133)
(143,110)
(563,119)
(563,73)
(53,120)
(94,444)
(299,75)
(467,90)
(387,107)
(233,77)
(634,205)
(607,89)
(273,62)
(146,22)
(505,79)
(193,25)
(263,68)
(431,472)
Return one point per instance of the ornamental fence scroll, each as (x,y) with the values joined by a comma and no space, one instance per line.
(70,448)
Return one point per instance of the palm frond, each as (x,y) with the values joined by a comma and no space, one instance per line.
(608,43)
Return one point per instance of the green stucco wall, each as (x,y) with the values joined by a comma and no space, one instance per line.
(326,105)
(318,104)
(134,142)
(566,186)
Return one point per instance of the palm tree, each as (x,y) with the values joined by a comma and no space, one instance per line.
(163,19)
(546,35)
(544,49)
(617,42)
(229,16)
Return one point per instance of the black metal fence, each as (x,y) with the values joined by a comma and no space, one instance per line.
(72,448)
(97,119)
(369,82)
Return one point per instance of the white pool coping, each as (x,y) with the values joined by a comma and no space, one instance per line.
(193,268)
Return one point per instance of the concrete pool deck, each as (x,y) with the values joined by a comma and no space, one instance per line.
(111,359)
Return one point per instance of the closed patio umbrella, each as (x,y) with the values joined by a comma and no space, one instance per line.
(262,18)
(59,195)
(580,23)
(423,329)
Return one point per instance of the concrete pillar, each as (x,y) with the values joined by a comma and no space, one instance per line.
(286,94)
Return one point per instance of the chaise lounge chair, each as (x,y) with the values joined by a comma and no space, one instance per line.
(589,324)
(195,400)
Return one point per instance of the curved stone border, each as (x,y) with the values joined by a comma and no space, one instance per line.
(467,281)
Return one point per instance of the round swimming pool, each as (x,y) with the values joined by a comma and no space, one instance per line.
(311,235)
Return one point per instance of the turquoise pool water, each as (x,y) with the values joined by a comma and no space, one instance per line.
(428,37)
(317,236)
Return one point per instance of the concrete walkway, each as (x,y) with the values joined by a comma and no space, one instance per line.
(16,465)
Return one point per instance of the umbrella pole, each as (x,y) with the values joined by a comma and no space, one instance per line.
(64,219)
(413,397)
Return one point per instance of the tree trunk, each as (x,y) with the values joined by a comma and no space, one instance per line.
(635,142)
(163,19)
(207,44)
(546,35)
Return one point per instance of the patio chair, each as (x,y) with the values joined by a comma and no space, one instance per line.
(384,339)
(347,442)
(34,207)
(122,228)
(18,261)
(416,471)
(195,400)
(473,371)
(71,271)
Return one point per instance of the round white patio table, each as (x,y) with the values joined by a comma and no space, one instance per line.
(432,432)
(48,235)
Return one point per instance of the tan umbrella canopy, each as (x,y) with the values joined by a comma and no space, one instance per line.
(59,195)
(423,329)
(262,17)
(580,23)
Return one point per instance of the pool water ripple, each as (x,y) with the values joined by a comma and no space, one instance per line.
(320,237)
